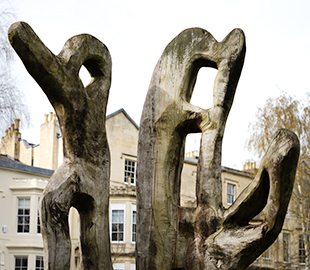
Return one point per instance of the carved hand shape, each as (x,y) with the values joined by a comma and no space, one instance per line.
(208,236)
(82,181)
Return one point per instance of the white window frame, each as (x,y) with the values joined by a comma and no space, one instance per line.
(132,266)
(133,209)
(128,171)
(119,266)
(301,249)
(39,227)
(20,267)
(229,195)
(23,216)
(41,267)
(266,254)
(2,260)
(286,239)
(118,206)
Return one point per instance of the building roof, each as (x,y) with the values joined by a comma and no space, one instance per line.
(125,113)
(27,144)
(224,169)
(234,171)
(191,160)
(14,164)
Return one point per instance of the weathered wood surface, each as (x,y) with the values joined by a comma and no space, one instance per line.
(82,181)
(208,236)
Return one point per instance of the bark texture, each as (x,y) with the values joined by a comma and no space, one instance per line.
(208,236)
(82,181)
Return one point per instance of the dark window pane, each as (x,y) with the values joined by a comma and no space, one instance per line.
(18,261)
(24,262)
(19,228)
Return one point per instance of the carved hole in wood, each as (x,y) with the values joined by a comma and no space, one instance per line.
(203,94)
(92,65)
(82,202)
(85,76)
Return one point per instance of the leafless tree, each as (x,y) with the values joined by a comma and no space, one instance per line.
(288,112)
(11,98)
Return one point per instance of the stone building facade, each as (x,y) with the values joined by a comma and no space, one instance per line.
(22,185)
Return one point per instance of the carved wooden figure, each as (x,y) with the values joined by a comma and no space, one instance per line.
(208,236)
(82,181)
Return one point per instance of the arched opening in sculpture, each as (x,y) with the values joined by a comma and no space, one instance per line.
(203,94)
(85,76)
(80,215)
(74,227)
(202,97)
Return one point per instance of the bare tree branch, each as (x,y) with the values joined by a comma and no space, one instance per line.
(290,113)
(11,98)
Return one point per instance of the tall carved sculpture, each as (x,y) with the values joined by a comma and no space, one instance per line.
(82,181)
(209,236)
(169,237)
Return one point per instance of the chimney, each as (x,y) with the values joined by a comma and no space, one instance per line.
(10,142)
(250,167)
(192,154)
(16,125)
(49,143)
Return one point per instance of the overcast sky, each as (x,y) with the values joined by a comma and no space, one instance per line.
(136,33)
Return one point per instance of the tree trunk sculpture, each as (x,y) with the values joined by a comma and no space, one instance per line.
(208,236)
(82,181)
